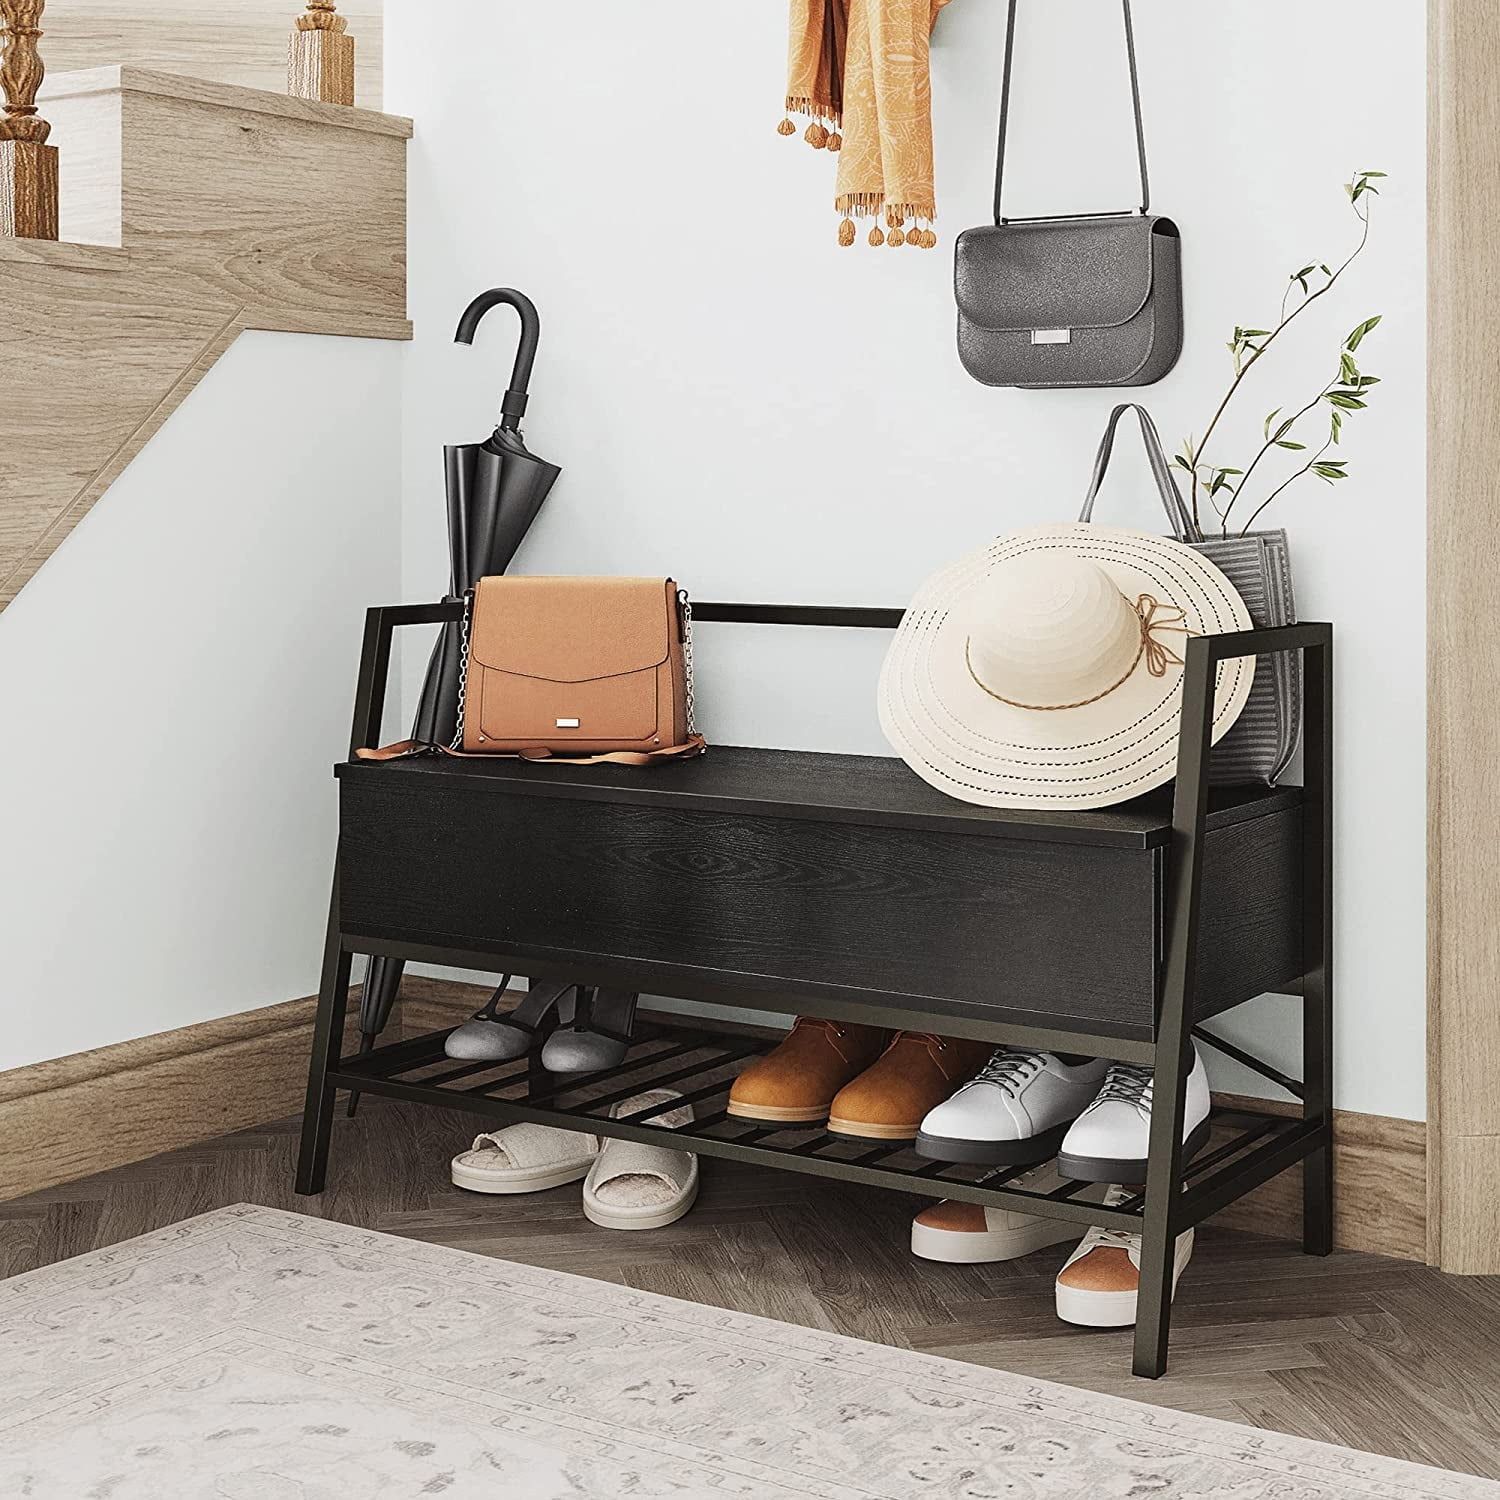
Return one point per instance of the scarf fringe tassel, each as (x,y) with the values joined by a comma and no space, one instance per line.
(822,133)
(824,114)
(897,232)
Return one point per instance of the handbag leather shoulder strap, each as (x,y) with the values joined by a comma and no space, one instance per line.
(1179,521)
(695,744)
(1135,94)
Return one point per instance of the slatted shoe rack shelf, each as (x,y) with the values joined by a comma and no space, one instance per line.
(844,886)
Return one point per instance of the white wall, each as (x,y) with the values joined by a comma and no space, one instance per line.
(741,403)
(175,684)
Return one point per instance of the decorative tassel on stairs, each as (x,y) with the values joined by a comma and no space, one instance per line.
(28,165)
(321,64)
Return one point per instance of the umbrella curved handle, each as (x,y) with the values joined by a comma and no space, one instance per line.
(513,407)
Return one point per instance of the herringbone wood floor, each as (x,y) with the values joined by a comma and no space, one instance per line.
(1356,1349)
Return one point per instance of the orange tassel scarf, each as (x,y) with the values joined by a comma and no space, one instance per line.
(859,70)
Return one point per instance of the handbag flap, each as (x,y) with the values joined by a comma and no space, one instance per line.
(571,629)
(1062,273)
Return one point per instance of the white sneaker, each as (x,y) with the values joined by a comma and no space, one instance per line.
(1098,1286)
(1017,1109)
(967,1234)
(1110,1140)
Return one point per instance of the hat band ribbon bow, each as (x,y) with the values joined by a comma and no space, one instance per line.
(1153,616)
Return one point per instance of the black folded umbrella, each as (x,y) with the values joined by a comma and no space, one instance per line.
(495,489)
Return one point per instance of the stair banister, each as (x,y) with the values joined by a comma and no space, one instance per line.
(28,165)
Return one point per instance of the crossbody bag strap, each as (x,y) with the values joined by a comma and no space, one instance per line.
(695,744)
(1135,94)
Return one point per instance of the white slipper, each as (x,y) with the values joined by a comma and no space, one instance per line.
(637,1186)
(524,1158)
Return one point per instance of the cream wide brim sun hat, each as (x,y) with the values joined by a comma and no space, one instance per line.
(1045,670)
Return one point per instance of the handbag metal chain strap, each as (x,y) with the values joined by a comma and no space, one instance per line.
(1069,300)
(457,742)
(685,605)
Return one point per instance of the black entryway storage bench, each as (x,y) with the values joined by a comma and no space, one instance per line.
(846,887)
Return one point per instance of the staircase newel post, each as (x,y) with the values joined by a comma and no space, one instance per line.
(322,56)
(28,165)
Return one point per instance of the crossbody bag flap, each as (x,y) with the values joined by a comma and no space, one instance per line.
(571,629)
(1058,274)
(566,663)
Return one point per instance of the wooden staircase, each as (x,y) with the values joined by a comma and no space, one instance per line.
(189,211)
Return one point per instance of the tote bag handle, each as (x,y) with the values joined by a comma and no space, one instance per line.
(1179,522)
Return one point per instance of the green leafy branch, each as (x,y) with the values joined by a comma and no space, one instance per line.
(1221,486)
(1349,390)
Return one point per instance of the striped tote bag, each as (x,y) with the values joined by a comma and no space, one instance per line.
(1261,743)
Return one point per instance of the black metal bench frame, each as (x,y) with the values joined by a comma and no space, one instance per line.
(699,1061)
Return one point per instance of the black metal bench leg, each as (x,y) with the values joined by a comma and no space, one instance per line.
(1317,1202)
(328,1040)
(1153,1318)
(1317,945)
(1176,1013)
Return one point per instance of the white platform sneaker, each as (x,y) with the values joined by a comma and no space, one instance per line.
(1015,1110)
(966,1234)
(1110,1140)
(1099,1285)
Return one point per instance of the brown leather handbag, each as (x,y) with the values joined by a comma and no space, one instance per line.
(594,669)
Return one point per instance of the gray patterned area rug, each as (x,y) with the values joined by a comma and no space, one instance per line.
(253,1354)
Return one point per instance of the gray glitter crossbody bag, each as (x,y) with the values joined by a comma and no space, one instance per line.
(1074,300)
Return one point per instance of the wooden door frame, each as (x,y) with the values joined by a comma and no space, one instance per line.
(1463,564)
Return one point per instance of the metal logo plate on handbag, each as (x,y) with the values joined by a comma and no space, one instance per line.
(1051,335)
